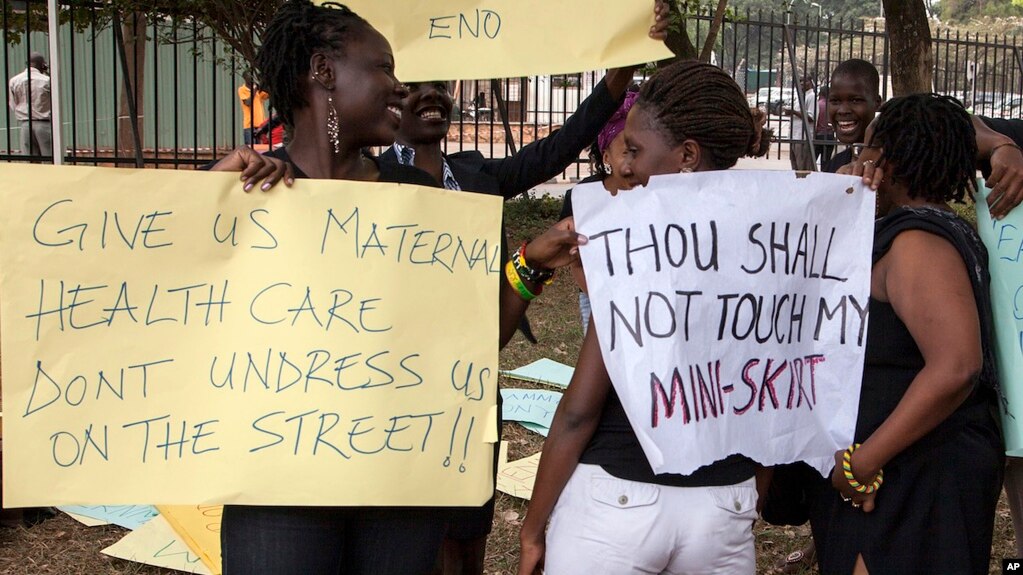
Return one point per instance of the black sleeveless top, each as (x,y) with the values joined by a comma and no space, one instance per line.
(616,448)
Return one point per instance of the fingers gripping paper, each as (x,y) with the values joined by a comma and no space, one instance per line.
(470,39)
(731,311)
(330,344)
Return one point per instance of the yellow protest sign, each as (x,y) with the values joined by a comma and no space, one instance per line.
(473,39)
(155,543)
(169,338)
(199,527)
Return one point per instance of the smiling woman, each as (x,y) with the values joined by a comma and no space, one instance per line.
(331,78)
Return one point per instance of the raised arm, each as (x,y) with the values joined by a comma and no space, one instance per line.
(573,426)
(548,157)
(998,150)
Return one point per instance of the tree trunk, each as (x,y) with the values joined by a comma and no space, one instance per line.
(910,55)
(678,38)
(712,34)
(133,30)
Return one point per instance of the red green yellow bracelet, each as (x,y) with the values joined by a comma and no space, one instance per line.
(516,282)
(847,471)
(537,276)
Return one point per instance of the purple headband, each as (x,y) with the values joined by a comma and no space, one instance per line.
(616,124)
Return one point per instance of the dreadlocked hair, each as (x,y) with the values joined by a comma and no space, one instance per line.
(929,145)
(298,30)
(699,101)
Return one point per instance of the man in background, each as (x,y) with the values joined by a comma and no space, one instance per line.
(253,107)
(29,97)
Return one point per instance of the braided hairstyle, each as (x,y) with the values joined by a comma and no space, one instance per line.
(298,30)
(597,167)
(929,145)
(699,101)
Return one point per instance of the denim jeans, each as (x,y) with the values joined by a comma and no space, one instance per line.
(330,540)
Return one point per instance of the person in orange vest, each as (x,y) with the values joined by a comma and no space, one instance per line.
(253,107)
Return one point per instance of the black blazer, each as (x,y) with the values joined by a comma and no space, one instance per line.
(539,161)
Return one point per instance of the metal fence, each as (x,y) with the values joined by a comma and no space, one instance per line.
(185,82)
(767,53)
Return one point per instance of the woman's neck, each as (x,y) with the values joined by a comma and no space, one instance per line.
(892,196)
(311,150)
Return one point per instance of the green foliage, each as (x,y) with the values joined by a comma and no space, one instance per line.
(835,9)
(965,10)
(528,217)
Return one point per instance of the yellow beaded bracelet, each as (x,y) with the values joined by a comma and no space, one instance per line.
(848,473)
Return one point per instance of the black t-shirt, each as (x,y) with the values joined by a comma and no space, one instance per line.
(566,205)
(837,161)
(615,447)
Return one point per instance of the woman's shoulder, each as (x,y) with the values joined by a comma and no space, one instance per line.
(937,223)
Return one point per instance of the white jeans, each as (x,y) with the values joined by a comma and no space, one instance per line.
(605,525)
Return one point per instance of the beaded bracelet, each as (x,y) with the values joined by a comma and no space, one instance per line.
(847,471)
(534,275)
(516,282)
(991,154)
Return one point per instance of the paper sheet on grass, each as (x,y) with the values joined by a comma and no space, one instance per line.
(730,307)
(155,543)
(127,516)
(535,406)
(85,520)
(199,527)
(545,371)
(536,428)
(516,478)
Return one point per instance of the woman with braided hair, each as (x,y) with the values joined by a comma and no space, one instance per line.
(608,511)
(930,389)
(330,76)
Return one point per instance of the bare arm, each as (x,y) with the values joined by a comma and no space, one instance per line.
(555,248)
(573,426)
(547,157)
(1006,178)
(926,281)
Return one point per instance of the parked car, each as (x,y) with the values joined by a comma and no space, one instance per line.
(773,99)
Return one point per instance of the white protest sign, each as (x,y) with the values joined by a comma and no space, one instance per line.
(731,309)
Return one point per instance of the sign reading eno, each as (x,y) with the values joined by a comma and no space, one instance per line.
(334,343)
(731,309)
(475,39)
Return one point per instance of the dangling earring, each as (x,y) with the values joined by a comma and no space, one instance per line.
(333,127)
(607,169)
(686,171)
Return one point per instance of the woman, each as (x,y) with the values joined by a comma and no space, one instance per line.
(688,117)
(606,156)
(331,78)
(929,392)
